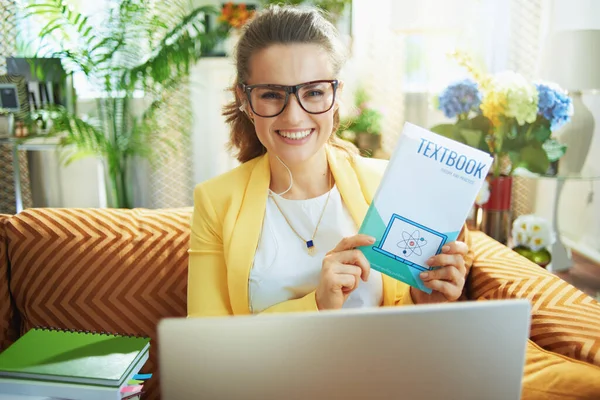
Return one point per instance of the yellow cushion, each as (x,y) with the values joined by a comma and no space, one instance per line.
(551,376)
(564,320)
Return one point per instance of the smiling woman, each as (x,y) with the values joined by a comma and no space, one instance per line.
(279,233)
(259,57)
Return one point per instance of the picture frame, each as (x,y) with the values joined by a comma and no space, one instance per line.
(15,93)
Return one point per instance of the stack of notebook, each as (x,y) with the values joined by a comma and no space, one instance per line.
(73,365)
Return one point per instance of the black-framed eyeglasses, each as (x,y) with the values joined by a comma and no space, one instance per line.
(315,97)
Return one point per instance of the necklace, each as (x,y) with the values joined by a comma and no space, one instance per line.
(310,244)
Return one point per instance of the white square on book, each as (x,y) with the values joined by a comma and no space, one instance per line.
(410,242)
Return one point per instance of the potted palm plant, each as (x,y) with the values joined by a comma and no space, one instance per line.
(138,49)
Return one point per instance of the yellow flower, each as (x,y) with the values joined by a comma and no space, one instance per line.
(494,105)
(506,94)
(466,61)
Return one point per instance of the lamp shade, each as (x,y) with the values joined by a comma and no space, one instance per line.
(571,58)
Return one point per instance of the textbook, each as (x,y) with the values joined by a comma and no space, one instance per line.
(422,202)
(71,364)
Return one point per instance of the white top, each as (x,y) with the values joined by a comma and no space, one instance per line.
(283,270)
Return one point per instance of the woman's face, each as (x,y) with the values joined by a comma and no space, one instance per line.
(294,135)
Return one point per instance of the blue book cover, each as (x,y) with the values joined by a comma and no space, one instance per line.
(422,202)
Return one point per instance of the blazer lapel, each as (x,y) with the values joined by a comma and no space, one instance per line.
(246,234)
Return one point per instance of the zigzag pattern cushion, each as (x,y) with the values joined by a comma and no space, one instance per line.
(564,319)
(106,270)
(7,331)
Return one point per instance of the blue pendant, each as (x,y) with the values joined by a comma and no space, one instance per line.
(310,246)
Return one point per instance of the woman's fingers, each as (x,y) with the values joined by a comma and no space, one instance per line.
(341,270)
(449,273)
(351,242)
(352,257)
(450,291)
(346,282)
(455,260)
(455,247)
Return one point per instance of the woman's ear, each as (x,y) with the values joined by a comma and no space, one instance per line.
(241,98)
(244,106)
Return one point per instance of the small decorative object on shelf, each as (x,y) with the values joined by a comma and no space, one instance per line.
(532,235)
(7,122)
(512,119)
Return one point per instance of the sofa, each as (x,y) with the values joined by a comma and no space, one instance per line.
(122,271)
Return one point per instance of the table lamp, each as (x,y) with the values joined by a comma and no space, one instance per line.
(571,59)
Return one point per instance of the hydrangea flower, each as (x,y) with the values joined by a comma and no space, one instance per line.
(554,104)
(459,98)
(511,95)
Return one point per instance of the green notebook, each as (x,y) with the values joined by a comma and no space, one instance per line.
(75,357)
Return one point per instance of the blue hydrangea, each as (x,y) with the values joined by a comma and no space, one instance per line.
(554,104)
(460,98)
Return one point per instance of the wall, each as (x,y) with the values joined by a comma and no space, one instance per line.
(209,80)
(578,207)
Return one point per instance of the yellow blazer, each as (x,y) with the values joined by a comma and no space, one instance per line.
(227,222)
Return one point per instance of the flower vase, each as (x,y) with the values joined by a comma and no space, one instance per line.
(494,218)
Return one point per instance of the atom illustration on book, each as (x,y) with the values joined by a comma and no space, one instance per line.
(412,243)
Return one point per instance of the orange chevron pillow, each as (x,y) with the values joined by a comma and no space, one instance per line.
(112,270)
(7,331)
(564,319)
(551,376)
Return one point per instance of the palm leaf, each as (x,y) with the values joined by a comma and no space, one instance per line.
(177,50)
(83,48)
(78,138)
(60,15)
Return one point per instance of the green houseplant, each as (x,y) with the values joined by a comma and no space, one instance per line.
(139,49)
(363,126)
(513,120)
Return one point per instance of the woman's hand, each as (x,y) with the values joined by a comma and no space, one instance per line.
(342,269)
(446,282)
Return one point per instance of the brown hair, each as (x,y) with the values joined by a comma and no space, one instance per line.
(279,25)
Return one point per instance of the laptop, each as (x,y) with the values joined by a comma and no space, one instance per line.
(465,350)
(410,242)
